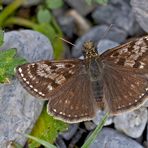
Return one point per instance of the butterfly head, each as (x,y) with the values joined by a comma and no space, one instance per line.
(89,50)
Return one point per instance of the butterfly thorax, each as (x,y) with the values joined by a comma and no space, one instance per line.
(93,65)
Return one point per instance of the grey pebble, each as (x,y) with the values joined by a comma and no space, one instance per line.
(140,8)
(99,116)
(132,123)
(81,6)
(60,142)
(96,34)
(31,45)
(18,112)
(105,44)
(117,12)
(67,135)
(89,125)
(146,103)
(110,138)
(18,109)
(67,24)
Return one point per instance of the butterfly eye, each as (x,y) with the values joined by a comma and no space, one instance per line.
(88,45)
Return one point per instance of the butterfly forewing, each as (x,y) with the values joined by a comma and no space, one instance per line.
(133,54)
(44,78)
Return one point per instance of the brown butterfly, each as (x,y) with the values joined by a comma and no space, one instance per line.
(116,80)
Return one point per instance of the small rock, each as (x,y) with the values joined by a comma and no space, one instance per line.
(140,8)
(117,2)
(18,113)
(95,34)
(70,132)
(79,134)
(136,30)
(60,142)
(116,12)
(99,116)
(67,25)
(89,125)
(18,109)
(81,6)
(132,123)
(146,103)
(104,45)
(81,24)
(109,138)
(31,45)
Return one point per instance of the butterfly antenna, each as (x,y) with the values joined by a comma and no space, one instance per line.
(66,41)
(105,33)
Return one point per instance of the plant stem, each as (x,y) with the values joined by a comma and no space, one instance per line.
(20,21)
(92,137)
(9,10)
(57,28)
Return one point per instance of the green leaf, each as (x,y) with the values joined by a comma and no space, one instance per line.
(1,37)
(43,16)
(101,1)
(89,2)
(8,62)
(92,137)
(9,9)
(46,128)
(43,142)
(53,4)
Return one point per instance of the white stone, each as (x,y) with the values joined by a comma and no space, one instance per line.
(132,123)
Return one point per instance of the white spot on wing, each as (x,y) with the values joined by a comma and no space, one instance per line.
(60,79)
(20,70)
(24,79)
(50,87)
(27,82)
(40,93)
(60,113)
(30,86)
(35,90)
(22,75)
(54,110)
(60,65)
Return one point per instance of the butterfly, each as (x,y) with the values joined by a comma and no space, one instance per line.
(116,80)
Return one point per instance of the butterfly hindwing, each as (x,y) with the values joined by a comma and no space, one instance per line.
(75,101)
(124,89)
